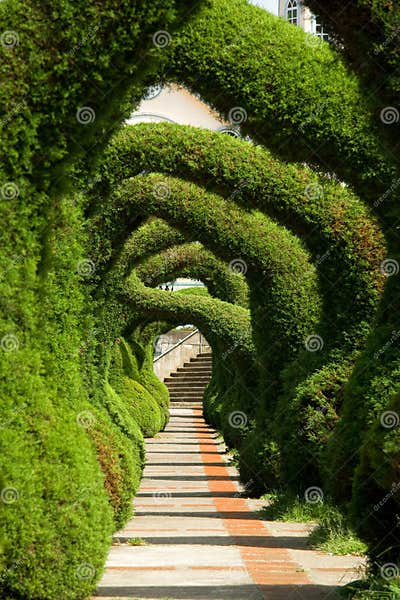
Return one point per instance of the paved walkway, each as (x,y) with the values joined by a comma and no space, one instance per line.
(204,541)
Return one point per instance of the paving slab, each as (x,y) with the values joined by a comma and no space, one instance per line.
(203,539)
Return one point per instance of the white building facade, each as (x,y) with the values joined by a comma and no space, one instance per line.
(295,12)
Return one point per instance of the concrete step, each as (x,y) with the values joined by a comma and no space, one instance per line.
(196,366)
(201,361)
(185,393)
(190,381)
(197,384)
(174,387)
(193,369)
(198,391)
(187,390)
(187,385)
(175,394)
(186,396)
(186,376)
(186,404)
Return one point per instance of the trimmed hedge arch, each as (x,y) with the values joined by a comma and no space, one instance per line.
(194,261)
(339,230)
(230,231)
(224,324)
(228,330)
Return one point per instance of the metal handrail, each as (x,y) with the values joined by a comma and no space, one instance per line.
(178,344)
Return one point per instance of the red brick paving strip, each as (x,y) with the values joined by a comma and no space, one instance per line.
(266,566)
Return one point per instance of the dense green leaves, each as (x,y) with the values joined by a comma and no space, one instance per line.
(78,391)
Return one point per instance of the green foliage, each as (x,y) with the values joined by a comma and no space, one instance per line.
(67,312)
(339,231)
(142,406)
(259,242)
(372,588)
(60,514)
(137,541)
(194,261)
(121,462)
(332,533)
(346,245)
(224,325)
(368,35)
(283,507)
(69,55)
(242,56)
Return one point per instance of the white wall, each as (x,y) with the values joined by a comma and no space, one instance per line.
(271,5)
(169,363)
(178,105)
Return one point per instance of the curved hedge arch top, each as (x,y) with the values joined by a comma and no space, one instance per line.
(334,123)
(194,261)
(149,239)
(225,325)
(283,284)
(158,242)
(339,230)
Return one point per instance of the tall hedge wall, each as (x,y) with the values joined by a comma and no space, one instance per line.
(70,72)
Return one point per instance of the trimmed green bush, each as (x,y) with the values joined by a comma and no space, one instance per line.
(141,351)
(121,462)
(194,261)
(328,115)
(255,242)
(241,56)
(49,503)
(139,402)
(122,416)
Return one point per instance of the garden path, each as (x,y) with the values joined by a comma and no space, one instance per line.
(204,540)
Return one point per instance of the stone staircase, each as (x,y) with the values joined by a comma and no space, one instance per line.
(186,386)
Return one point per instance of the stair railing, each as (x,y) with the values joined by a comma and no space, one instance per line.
(182,341)
(172,358)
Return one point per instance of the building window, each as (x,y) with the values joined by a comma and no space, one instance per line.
(318,30)
(292,12)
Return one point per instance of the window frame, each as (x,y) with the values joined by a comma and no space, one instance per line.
(292,12)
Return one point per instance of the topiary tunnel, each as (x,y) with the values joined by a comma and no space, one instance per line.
(96,214)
